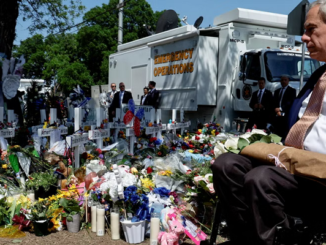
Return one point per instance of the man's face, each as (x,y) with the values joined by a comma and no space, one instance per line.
(261,84)
(315,34)
(122,86)
(113,86)
(150,86)
(284,81)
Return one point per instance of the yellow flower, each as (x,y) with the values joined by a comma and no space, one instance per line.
(86,194)
(41,199)
(147,183)
(133,170)
(217,124)
(186,138)
(56,224)
(213,132)
(53,198)
(165,173)
(5,166)
(199,130)
(45,125)
(191,151)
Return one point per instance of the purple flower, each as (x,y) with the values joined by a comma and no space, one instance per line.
(101,156)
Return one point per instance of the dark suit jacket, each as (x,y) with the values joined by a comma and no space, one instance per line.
(288,98)
(153,98)
(304,93)
(266,100)
(141,99)
(116,100)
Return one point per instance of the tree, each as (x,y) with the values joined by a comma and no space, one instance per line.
(53,15)
(98,38)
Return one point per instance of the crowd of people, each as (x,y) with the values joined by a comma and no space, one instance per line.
(271,112)
(151,97)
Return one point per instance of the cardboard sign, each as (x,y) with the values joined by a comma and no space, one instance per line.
(7,133)
(98,134)
(76,140)
(43,132)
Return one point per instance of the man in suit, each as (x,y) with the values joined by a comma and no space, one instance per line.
(261,103)
(121,97)
(111,96)
(258,198)
(143,97)
(283,99)
(154,96)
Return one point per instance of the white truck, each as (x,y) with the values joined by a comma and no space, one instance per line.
(212,72)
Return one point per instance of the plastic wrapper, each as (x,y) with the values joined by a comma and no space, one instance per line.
(169,183)
(94,166)
(171,162)
(13,159)
(122,145)
(24,161)
(196,157)
(148,162)
(11,232)
(58,147)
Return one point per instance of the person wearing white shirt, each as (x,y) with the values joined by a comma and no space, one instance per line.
(143,97)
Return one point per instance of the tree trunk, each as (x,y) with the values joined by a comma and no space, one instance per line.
(9,10)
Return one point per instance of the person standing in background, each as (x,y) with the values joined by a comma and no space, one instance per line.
(120,98)
(111,96)
(154,96)
(143,97)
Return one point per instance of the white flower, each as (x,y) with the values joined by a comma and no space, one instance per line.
(219,149)
(258,131)
(231,143)
(139,146)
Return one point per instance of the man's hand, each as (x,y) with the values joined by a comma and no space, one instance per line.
(260,106)
(277,110)
(279,113)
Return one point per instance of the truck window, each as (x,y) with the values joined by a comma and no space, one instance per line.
(285,63)
(252,66)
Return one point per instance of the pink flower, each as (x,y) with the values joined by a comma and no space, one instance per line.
(212,161)
(198,178)
(211,188)
(248,130)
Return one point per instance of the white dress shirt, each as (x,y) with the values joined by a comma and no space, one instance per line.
(143,101)
(316,134)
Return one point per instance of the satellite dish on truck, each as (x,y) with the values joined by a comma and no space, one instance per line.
(198,22)
(168,20)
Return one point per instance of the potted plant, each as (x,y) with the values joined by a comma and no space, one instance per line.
(136,212)
(40,216)
(43,183)
(72,213)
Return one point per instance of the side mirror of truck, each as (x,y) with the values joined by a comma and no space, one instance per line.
(242,76)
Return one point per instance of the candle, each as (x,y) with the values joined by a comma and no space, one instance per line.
(11,116)
(53,115)
(43,115)
(115,224)
(155,228)
(1,114)
(93,210)
(100,213)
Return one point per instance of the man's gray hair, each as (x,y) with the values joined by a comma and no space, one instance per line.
(322,7)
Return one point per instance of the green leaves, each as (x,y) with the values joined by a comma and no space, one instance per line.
(242,143)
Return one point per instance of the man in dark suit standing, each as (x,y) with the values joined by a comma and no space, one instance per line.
(121,97)
(153,97)
(261,103)
(283,99)
(258,198)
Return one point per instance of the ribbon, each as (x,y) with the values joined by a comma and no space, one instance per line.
(21,221)
(278,163)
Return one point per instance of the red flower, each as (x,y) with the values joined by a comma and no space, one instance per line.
(188,171)
(99,151)
(159,153)
(210,145)
(173,148)
(197,137)
(199,133)
(201,147)
(191,146)
(149,170)
(217,133)
(184,147)
(152,139)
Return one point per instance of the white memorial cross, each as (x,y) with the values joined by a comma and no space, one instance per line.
(74,141)
(53,133)
(6,133)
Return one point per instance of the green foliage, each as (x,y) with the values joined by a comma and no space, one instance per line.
(70,207)
(3,211)
(44,179)
(41,211)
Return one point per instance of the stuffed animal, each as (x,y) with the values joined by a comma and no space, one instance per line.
(64,170)
(172,237)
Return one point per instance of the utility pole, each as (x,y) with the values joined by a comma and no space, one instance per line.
(120,31)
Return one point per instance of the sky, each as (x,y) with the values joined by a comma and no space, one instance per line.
(190,8)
